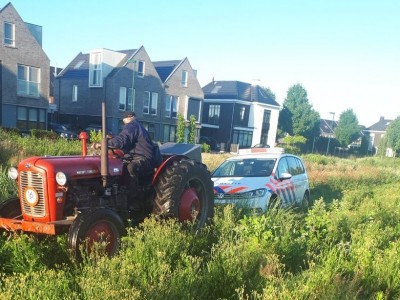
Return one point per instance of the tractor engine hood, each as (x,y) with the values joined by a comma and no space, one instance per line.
(75,167)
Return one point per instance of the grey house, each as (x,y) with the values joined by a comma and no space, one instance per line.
(240,113)
(376,132)
(125,80)
(182,95)
(24,73)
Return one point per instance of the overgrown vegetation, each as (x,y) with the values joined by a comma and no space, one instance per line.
(345,247)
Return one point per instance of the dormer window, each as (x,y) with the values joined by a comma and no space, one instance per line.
(184,80)
(141,69)
(9,34)
(95,69)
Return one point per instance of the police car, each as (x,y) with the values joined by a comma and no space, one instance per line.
(259,178)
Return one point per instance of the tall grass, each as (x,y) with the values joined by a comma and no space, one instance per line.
(14,148)
(345,247)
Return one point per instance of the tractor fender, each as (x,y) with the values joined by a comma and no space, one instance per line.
(165,164)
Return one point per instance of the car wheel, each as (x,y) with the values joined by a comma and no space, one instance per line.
(273,203)
(305,203)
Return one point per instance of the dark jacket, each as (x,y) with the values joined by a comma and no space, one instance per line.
(133,139)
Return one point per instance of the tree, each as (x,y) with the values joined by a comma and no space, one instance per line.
(393,135)
(348,129)
(298,116)
(192,130)
(180,131)
(293,143)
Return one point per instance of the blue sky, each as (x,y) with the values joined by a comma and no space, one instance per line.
(345,53)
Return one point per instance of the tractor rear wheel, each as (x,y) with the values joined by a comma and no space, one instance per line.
(102,226)
(185,191)
(11,208)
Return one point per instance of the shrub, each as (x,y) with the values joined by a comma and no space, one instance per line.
(205,148)
(8,187)
(44,134)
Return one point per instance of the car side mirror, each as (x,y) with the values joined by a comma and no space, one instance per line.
(285,176)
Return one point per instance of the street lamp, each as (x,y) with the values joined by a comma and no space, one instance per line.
(329,139)
(133,82)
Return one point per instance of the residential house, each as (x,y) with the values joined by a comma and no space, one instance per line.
(124,80)
(182,95)
(24,73)
(376,132)
(327,128)
(240,113)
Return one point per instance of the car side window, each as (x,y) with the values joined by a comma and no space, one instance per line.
(300,166)
(282,166)
(293,166)
(225,170)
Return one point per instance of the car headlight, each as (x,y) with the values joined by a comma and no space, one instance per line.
(61,178)
(255,193)
(12,173)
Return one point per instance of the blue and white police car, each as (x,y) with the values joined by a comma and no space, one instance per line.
(259,178)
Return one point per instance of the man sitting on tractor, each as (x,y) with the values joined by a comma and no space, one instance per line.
(134,140)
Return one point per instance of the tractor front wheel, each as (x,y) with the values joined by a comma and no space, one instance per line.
(101,227)
(11,208)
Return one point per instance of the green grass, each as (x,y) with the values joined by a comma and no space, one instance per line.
(347,246)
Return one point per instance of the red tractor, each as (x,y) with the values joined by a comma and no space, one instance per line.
(87,195)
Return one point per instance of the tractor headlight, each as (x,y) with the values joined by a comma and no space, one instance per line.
(12,173)
(61,178)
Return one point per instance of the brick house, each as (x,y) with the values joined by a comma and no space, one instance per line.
(125,80)
(24,73)
(240,113)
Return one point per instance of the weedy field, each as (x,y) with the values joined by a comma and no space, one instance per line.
(346,246)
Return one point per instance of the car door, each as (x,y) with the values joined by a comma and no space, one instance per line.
(284,187)
(297,170)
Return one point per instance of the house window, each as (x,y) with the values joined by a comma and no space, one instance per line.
(184,80)
(171,106)
(169,133)
(150,103)
(243,138)
(131,97)
(95,72)
(122,98)
(194,108)
(141,69)
(150,128)
(146,103)
(28,81)
(74,93)
(213,114)
(31,118)
(242,113)
(9,34)
(154,102)
(266,118)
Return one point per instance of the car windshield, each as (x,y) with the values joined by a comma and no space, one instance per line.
(251,167)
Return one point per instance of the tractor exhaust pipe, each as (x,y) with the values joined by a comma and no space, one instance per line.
(104,146)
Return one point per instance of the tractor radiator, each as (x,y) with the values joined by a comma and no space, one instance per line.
(34,181)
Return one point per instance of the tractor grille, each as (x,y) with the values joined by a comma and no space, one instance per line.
(33,180)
